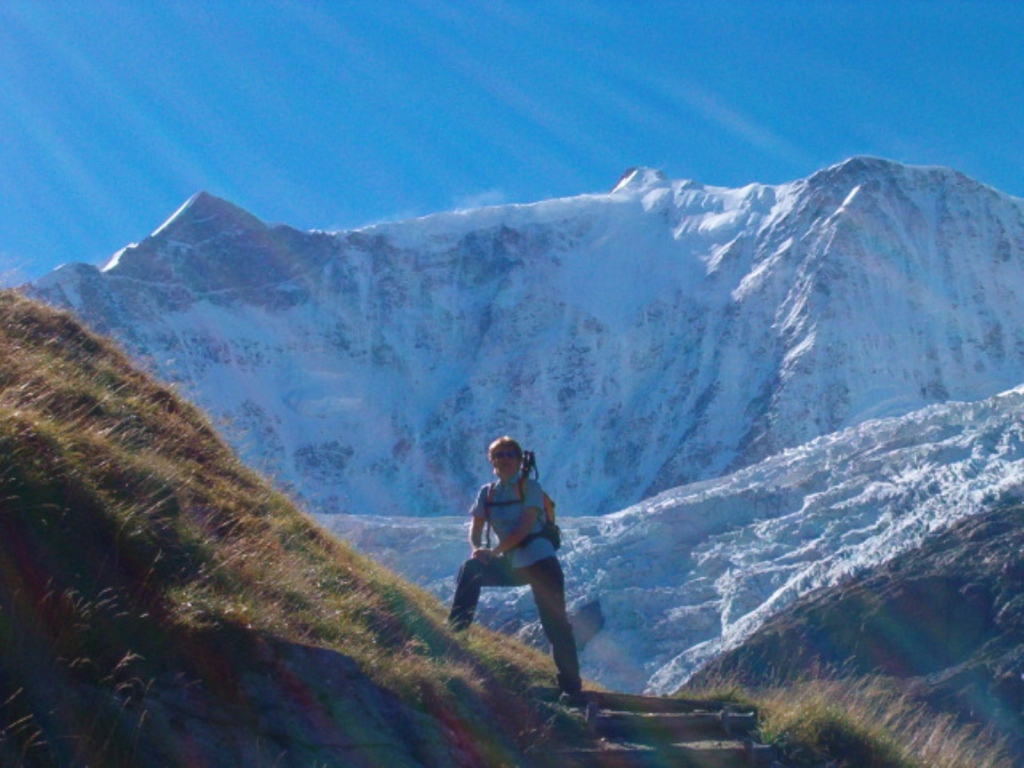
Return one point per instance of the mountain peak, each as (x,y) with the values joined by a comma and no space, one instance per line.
(203,215)
(862,168)
(639,177)
(195,234)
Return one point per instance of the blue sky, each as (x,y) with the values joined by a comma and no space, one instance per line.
(333,115)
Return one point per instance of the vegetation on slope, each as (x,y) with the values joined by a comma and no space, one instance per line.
(866,721)
(160,604)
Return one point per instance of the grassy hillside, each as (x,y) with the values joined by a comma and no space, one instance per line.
(162,605)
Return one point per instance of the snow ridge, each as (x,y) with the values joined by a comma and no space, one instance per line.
(661,334)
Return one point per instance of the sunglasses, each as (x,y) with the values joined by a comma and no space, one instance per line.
(505,455)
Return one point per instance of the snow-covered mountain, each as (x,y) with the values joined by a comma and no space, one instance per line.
(808,374)
(694,571)
(660,334)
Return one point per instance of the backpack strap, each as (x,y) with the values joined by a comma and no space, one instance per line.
(490,495)
(487,512)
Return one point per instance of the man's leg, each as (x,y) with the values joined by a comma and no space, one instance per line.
(473,576)
(548,584)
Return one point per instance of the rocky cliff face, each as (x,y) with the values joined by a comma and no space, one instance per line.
(662,333)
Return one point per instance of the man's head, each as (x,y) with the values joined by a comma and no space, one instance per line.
(505,455)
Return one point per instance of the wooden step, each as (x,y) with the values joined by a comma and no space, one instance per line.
(667,727)
(635,731)
(691,755)
(633,702)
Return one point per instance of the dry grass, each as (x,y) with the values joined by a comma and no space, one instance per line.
(131,538)
(866,722)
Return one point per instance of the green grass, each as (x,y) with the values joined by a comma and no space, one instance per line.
(139,557)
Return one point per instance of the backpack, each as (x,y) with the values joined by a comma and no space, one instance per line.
(550,530)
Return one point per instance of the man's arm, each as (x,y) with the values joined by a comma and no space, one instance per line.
(476,531)
(475,543)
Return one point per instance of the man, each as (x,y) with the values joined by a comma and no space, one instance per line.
(512,507)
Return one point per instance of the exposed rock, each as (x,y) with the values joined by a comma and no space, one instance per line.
(948,618)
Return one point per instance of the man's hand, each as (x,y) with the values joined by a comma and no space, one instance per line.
(483,555)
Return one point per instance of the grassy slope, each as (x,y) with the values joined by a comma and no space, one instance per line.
(856,722)
(161,605)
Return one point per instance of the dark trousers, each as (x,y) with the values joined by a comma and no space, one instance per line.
(547,582)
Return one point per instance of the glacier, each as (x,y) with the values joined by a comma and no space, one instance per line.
(693,571)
